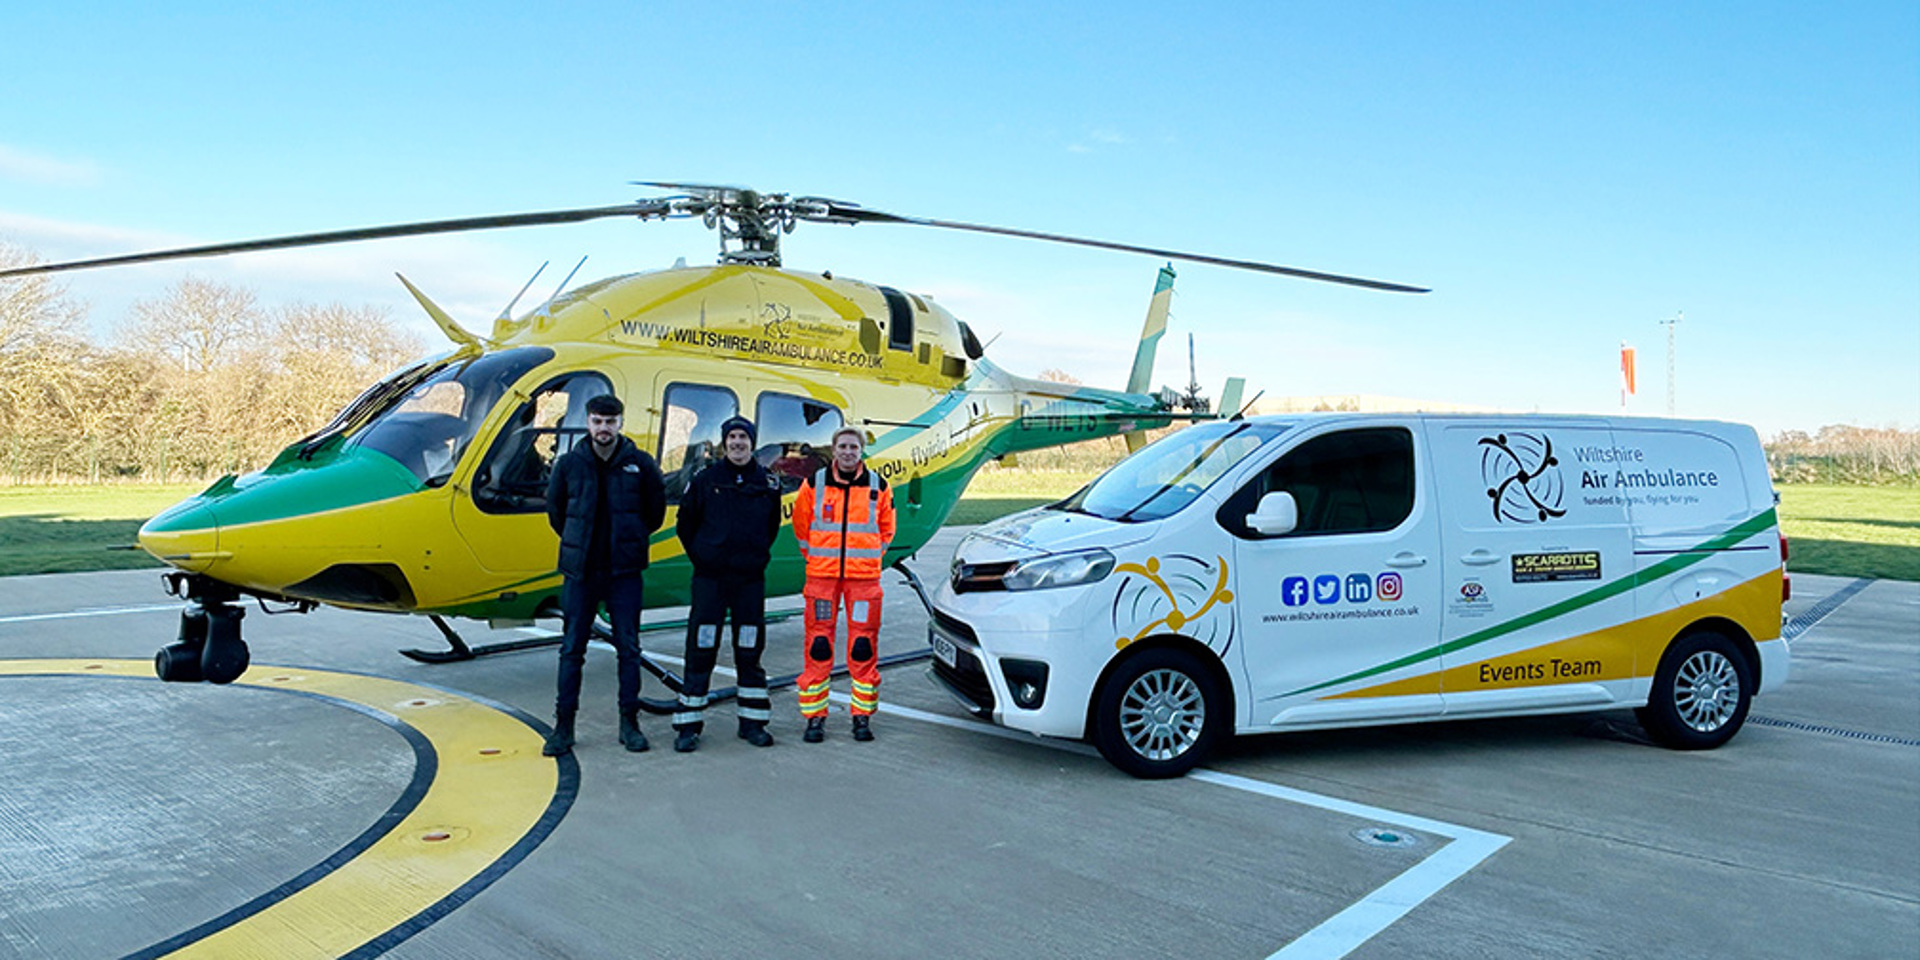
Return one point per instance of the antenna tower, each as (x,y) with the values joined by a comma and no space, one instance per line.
(1671,326)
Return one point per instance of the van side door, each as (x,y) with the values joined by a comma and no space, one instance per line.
(1339,617)
(1538,567)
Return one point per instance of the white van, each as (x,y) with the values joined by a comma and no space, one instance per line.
(1331,570)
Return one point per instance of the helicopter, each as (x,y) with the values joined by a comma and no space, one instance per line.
(425,495)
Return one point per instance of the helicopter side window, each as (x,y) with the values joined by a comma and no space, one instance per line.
(899,319)
(513,478)
(796,435)
(690,432)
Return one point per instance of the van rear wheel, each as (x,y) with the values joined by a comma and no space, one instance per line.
(1700,693)
(1158,714)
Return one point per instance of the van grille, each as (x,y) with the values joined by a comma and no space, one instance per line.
(980,577)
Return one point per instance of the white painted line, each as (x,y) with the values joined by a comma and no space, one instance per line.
(95,612)
(1345,931)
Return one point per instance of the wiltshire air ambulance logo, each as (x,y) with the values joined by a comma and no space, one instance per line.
(1174,595)
(1522,477)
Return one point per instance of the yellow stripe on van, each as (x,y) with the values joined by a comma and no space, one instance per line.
(1632,649)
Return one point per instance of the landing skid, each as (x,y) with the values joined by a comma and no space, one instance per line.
(458,651)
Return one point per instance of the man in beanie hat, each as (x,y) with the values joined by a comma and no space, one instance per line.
(728,521)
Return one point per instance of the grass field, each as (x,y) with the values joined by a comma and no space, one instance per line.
(1852,531)
(1839,530)
(67,529)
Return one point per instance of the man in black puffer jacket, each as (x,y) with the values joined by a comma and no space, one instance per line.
(728,522)
(605,500)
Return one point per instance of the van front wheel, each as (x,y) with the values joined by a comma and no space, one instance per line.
(1159,714)
(1700,693)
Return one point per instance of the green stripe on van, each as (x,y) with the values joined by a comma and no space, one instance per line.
(1653,574)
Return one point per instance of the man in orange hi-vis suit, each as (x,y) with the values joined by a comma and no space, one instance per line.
(843,519)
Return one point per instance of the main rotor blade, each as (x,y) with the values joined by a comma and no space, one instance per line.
(853,213)
(644,208)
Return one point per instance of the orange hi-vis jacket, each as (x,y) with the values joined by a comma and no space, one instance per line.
(844,528)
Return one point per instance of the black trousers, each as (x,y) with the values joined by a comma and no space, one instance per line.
(580,601)
(715,601)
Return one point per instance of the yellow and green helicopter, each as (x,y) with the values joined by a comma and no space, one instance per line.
(426,494)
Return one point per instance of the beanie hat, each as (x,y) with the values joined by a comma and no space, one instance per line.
(738,423)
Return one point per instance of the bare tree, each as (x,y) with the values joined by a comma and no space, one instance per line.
(202,323)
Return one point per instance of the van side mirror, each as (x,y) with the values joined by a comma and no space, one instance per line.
(1277,514)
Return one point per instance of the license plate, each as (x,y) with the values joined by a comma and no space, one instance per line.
(943,649)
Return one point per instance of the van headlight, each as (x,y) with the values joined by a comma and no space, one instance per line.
(1060,570)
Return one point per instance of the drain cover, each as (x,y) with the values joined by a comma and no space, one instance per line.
(1385,837)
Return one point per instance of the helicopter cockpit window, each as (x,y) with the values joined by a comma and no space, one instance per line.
(428,428)
(690,432)
(796,436)
(513,478)
(899,319)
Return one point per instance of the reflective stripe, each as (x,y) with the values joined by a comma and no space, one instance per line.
(857,610)
(864,553)
(754,713)
(685,719)
(692,702)
(752,693)
(707,635)
(867,688)
(750,638)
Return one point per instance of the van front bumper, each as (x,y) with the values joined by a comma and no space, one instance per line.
(1001,655)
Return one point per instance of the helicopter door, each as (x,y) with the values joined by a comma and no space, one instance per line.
(504,516)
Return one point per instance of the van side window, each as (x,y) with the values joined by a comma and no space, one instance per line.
(795,436)
(1353,481)
(513,477)
(690,432)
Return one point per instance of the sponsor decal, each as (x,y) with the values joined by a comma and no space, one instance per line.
(1555,567)
(1471,601)
(1522,477)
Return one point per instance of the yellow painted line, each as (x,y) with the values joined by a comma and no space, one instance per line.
(491,789)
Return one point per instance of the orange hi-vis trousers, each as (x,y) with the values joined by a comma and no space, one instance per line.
(825,598)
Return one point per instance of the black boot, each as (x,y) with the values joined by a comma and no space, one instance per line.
(686,741)
(560,741)
(630,735)
(862,728)
(755,732)
(816,730)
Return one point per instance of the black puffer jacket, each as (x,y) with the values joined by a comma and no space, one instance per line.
(637,504)
(729,520)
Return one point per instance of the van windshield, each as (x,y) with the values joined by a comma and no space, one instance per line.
(1161,480)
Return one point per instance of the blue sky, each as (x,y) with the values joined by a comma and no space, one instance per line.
(1565,176)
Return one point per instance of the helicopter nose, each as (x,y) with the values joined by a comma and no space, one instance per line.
(186,535)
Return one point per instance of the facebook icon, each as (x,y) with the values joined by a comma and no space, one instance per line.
(1293,591)
(1326,588)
